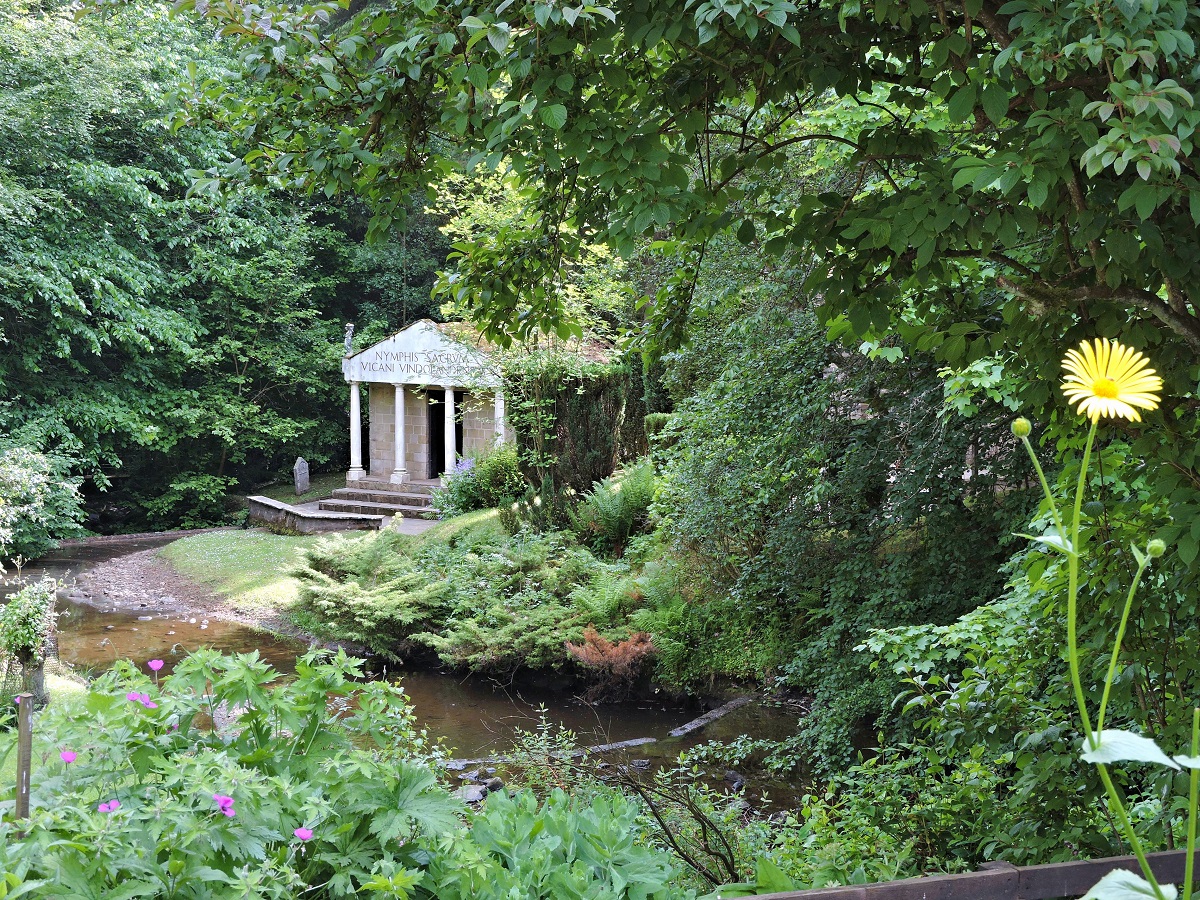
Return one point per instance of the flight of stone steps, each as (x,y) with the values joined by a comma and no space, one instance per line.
(382,498)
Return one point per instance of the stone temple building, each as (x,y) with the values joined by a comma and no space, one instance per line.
(433,398)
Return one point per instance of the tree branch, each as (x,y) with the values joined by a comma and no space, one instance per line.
(1185,325)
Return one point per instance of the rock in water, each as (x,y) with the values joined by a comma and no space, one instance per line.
(300,471)
(471,793)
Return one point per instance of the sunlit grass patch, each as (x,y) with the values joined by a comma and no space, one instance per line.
(249,567)
(481,523)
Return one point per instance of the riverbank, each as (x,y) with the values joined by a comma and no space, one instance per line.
(198,576)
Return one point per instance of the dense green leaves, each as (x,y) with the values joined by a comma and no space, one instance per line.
(650,115)
(171,348)
(39,503)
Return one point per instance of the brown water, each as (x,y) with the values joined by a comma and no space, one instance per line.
(477,717)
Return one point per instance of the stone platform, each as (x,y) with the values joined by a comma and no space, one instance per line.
(371,497)
(302,520)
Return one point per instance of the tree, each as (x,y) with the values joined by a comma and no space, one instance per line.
(170,346)
(1048,143)
(1022,174)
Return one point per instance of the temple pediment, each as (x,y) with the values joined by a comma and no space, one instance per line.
(423,354)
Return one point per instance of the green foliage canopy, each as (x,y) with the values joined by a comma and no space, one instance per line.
(1045,148)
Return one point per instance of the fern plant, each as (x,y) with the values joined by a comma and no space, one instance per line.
(615,508)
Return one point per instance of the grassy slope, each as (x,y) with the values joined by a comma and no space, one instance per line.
(320,487)
(448,531)
(248,567)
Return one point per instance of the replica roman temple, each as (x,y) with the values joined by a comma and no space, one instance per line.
(432,399)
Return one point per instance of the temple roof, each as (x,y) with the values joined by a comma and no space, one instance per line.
(424,353)
(450,354)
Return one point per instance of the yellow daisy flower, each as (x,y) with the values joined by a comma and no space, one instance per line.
(1108,379)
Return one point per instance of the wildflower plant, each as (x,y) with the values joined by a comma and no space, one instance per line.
(225,781)
(1106,379)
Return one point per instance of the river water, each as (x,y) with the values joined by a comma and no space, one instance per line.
(476,716)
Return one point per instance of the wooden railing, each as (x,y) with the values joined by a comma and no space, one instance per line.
(1002,881)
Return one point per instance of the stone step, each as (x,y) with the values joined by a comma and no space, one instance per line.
(363,507)
(379,484)
(276,514)
(405,498)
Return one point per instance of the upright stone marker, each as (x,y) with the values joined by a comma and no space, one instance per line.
(300,471)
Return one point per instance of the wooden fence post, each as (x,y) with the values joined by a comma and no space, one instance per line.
(24,752)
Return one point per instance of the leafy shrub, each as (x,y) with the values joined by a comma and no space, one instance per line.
(616,508)
(820,494)
(560,848)
(655,423)
(148,789)
(460,491)
(26,624)
(140,795)
(539,510)
(491,479)
(996,678)
(684,611)
(192,500)
(567,414)
(499,475)
(608,598)
(477,597)
(617,665)
(39,503)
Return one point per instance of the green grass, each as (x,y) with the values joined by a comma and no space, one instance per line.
(320,487)
(60,690)
(249,567)
(448,531)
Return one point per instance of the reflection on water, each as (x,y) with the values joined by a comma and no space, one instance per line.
(477,717)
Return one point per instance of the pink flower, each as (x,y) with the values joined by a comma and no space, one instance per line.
(305,834)
(223,802)
(17,700)
(110,806)
(228,811)
(150,705)
(67,756)
(155,664)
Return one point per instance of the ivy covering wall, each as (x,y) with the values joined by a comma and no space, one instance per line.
(573,418)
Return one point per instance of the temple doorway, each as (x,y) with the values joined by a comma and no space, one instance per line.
(436,411)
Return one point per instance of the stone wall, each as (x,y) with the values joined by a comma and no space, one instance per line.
(479,423)
(478,417)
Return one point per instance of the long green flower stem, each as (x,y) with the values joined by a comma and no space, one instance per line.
(1073,590)
(1071,550)
(1116,650)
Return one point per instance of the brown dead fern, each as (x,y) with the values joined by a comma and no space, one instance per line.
(616,666)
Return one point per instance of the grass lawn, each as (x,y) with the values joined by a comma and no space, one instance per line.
(320,487)
(60,690)
(249,567)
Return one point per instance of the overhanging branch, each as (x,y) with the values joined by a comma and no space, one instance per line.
(1185,325)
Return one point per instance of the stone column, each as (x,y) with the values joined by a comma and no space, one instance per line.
(400,473)
(356,472)
(499,416)
(451,443)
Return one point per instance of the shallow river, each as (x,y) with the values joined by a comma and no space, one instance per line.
(476,716)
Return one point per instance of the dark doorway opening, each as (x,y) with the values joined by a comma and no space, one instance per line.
(437,429)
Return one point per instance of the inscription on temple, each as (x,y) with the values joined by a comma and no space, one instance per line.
(421,362)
